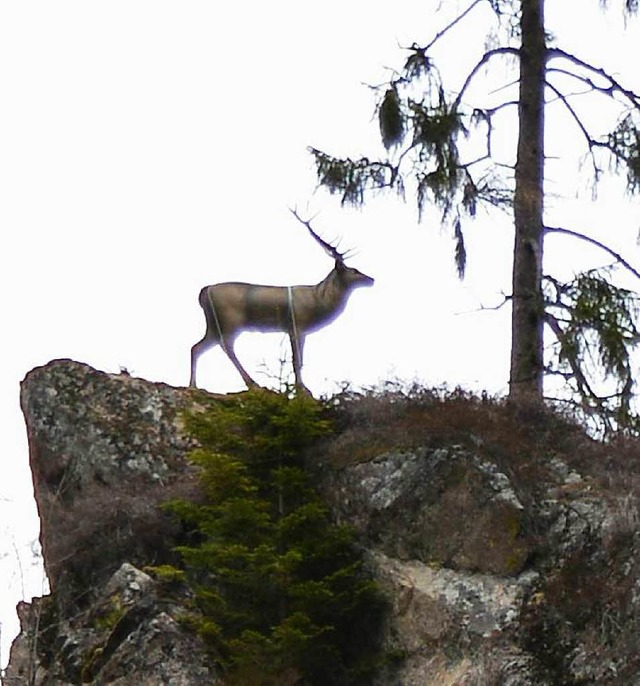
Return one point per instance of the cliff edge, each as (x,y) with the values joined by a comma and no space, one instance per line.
(505,539)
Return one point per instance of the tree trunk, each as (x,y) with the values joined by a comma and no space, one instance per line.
(527,363)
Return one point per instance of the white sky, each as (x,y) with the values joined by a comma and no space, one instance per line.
(150,148)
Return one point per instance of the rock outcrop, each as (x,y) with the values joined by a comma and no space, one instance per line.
(105,451)
(509,553)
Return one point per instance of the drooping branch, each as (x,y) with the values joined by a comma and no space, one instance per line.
(577,77)
(591,315)
(489,55)
(351,178)
(623,143)
(578,374)
(614,85)
(590,84)
(575,234)
(592,319)
(591,142)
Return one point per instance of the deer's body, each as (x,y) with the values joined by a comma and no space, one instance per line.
(250,307)
(234,307)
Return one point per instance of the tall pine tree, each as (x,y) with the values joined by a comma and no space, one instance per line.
(423,123)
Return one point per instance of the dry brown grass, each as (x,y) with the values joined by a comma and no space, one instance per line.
(368,424)
(89,539)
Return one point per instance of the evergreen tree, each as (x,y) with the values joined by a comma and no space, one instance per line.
(422,128)
(282,592)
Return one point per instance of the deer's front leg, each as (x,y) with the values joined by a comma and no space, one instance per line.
(297,349)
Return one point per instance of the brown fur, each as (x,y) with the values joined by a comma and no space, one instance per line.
(231,308)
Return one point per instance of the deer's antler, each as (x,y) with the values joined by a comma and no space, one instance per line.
(331,250)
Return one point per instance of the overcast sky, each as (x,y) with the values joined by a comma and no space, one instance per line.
(150,148)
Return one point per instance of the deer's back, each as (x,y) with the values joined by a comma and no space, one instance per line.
(249,306)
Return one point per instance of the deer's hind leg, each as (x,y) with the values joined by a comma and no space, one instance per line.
(210,338)
(227,346)
(197,350)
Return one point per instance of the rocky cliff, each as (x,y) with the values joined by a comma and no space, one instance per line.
(506,541)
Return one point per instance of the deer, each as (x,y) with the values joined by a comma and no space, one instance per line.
(234,307)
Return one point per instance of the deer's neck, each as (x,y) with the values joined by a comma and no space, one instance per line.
(331,293)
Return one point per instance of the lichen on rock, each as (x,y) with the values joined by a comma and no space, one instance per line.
(443,506)
(506,541)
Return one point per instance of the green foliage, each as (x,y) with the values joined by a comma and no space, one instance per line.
(418,65)
(110,614)
(461,250)
(282,590)
(352,178)
(610,312)
(427,133)
(439,175)
(391,119)
(624,143)
(595,324)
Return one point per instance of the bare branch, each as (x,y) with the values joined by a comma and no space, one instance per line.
(477,160)
(483,60)
(447,28)
(502,105)
(591,142)
(486,116)
(598,244)
(489,308)
(590,83)
(563,99)
(573,75)
(614,85)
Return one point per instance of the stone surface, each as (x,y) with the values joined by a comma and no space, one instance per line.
(127,636)
(104,451)
(450,602)
(399,499)
(498,573)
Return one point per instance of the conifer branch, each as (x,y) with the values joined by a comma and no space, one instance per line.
(614,85)
(589,401)
(576,234)
(577,372)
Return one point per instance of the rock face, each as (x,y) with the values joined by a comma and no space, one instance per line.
(125,636)
(500,569)
(398,500)
(105,451)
